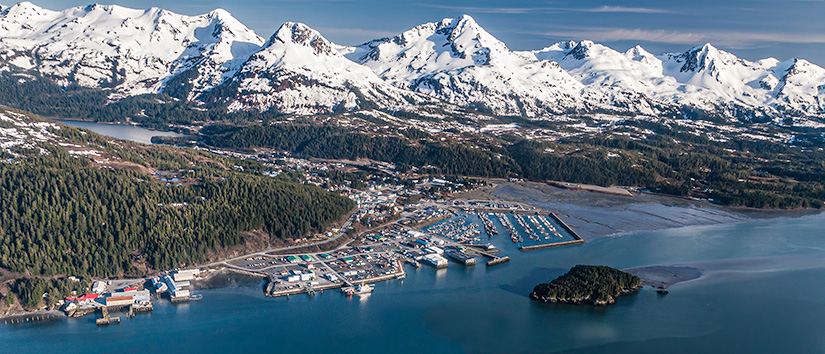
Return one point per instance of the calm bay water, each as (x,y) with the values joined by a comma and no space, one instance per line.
(128,132)
(765,293)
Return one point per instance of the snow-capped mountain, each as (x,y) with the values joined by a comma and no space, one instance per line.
(134,51)
(214,58)
(458,61)
(703,77)
(299,71)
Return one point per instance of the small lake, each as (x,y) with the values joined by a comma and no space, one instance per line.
(120,131)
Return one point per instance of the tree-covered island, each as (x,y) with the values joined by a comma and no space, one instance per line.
(588,284)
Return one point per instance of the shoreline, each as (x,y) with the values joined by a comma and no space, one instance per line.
(595,215)
(659,276)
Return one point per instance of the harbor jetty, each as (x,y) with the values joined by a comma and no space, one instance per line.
(576,238)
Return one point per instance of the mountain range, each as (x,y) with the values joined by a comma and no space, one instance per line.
(213,59)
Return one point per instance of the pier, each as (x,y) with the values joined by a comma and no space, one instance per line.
(36,317)
(550,245)
(106,320)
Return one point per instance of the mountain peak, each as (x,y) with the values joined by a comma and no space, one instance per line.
(301,34)
(22,8)
(462,23)
(465,27)
(637,51)
(702,57)
(639,54)
(220,13)
(26,5)
(581,50)
(707,47)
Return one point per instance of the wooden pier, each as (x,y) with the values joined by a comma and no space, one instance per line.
(30,318)
(106,320)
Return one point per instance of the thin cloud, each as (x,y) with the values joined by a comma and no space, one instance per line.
(639,10)
(609,35)
(527,10)
(731,39)
(491,10)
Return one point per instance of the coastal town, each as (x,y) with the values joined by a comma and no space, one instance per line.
(402,220)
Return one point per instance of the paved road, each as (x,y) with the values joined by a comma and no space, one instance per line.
(225,262)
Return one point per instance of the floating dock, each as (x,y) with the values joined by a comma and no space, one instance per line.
(498,260)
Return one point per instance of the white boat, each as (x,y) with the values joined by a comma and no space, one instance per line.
(360,289)
(363,289)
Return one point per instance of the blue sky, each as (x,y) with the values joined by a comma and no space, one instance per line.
(750,29)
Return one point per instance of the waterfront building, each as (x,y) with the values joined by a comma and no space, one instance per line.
(119,300)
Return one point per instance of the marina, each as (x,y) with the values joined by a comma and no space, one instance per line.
(528,230)
(460,236)
(457,237)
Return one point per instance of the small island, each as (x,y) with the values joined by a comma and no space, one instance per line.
(588,284)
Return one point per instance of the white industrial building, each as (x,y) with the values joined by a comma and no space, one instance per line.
(185,275)
(177,290)
(99,287)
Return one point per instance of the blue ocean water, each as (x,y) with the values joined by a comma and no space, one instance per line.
(764,293)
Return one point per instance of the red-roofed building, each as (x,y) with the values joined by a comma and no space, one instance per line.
(88,297)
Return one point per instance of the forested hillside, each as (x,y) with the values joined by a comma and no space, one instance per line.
(736,172)
(77,203)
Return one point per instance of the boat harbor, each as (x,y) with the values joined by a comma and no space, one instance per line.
(529,230)
(459,238)
(431,238)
